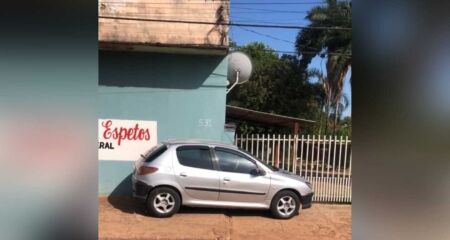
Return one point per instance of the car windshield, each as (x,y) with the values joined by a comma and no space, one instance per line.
(273,168)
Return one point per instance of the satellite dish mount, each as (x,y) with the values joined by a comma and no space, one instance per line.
(236,82)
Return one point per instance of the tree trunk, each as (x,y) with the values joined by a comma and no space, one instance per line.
(335,118)
(322,105)
(327,120)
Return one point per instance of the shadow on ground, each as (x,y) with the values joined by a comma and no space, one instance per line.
(226,212)
(128,205)
(121,198)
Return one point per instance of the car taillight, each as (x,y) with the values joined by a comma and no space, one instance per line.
(143,170)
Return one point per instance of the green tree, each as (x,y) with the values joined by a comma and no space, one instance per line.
(326,103)
(329,37)
(276,86)
(345,127)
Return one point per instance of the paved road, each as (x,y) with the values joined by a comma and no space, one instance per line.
(121,219)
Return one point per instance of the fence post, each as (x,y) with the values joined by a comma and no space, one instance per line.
(262,147)
(307,157)
(294,154)
(257,145)
(334,166)
(312,156)
(319,185)
(273,149)
(251,145)
(301,155)
(276,153)
(284,152)
(289,153)
(246,142)
(328,159)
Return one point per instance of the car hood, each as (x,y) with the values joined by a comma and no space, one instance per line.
(287,174)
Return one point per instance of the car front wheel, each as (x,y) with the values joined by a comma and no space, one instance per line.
(285,205)
(163,202)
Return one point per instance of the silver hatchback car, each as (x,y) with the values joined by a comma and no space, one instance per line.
(209,174)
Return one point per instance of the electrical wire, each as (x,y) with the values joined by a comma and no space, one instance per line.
(232,34)
(269,10)
(246,20)
(215,2)
(224,23)
(296,53)
(266,35)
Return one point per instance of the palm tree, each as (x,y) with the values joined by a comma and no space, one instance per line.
(339,108)
(327,103)
(328,36)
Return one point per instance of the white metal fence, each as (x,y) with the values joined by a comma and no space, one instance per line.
(326,161)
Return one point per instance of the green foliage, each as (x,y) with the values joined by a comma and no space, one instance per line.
(312,41)
(345,127)
(276,86)
(332,44)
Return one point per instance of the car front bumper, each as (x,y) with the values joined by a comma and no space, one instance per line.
(307,200)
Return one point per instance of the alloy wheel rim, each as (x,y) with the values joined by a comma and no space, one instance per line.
(286,205)
(164,202)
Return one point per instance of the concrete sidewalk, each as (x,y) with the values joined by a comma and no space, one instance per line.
(121,218)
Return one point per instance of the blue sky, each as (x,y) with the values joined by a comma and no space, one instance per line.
(278,39)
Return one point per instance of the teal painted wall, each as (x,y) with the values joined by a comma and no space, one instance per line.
(114,177)
(228,136)
(185,94)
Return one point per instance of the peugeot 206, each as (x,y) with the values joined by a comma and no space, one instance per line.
(209,174)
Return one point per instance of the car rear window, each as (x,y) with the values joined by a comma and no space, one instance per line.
(195,156)
(155,152)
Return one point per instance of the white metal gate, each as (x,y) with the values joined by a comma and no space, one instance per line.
(326,161)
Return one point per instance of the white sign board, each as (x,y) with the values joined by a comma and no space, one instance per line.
(125,140)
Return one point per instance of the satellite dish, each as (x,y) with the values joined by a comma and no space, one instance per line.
(239,68)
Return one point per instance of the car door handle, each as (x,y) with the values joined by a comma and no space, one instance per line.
(226,179)
(183,174)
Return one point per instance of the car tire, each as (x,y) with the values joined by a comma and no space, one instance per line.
(163,202)
(285,205)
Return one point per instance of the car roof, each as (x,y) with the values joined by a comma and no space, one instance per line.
(198,141)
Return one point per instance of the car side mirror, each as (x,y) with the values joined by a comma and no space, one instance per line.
(257,172)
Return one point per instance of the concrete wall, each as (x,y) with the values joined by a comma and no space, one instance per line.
(185,94)
(163,26)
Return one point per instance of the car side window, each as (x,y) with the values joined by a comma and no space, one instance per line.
(230,161)
(195,156)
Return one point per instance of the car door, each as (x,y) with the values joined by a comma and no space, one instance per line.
(196,173)
(236,182)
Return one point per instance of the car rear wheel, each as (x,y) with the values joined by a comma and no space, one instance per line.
(285,205)
(163,202)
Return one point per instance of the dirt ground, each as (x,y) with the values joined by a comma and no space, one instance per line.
(121,218)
